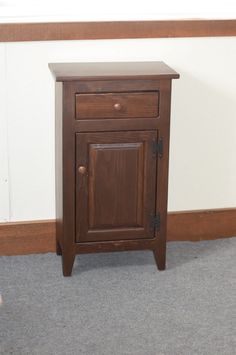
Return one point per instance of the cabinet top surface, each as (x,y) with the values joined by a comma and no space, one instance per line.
(112,70)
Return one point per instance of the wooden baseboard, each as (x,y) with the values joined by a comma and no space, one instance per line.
(39,236)
(201,225)
(54,31)
(27,237)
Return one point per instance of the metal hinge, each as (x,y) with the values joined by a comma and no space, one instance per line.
(157,147)
(155,222)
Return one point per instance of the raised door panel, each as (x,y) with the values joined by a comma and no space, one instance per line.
(115,185)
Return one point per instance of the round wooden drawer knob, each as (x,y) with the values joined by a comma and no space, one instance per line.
(117,106)
(82,170)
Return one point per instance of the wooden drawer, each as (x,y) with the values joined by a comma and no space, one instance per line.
(117,105)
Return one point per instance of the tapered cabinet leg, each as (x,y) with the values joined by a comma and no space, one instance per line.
(58,248)
(67,263)
(160,256)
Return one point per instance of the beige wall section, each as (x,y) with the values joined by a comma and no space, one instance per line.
(203,128)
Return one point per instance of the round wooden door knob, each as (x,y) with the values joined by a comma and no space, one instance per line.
(82,170)
(117,106)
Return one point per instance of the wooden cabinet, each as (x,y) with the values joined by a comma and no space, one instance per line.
(112,143)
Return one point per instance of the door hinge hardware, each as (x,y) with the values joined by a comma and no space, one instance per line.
(157,147)
(156,222)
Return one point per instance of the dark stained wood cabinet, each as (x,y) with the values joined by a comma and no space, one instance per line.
(115,191)
(112,144)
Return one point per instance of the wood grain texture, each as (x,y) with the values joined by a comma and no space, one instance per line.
(115,198)
(113,195)
(58,165)
(121,124)
(30,237)
(201,225)
(110,71)
(39,236)
(114,30)
(68,180)
(162,173)
(113,105)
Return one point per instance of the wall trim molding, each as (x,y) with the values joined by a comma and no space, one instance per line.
(30,237)
(54,31)
(201,224)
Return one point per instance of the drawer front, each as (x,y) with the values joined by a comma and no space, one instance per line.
(112,105)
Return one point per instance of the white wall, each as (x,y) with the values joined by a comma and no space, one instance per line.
(107,10)
(203,129)
(4,178)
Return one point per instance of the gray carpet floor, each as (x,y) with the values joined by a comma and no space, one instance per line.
(119,304)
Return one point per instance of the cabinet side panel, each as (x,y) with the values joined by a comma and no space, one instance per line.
(58,162)
(68,172)
(164,132)
(162,174)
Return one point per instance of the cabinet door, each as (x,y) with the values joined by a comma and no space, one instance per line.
(115,185)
